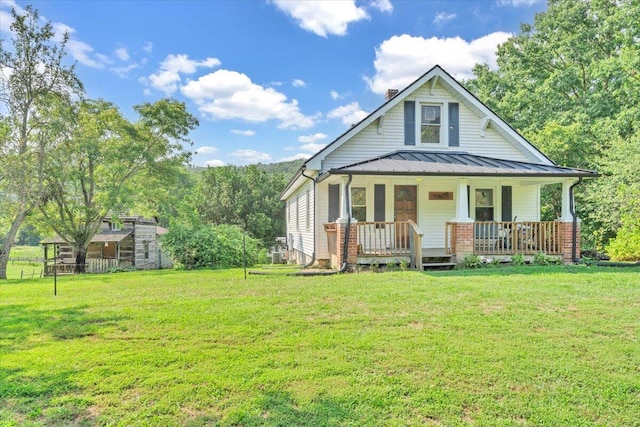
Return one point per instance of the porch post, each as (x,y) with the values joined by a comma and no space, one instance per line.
(344,200)
(463,227)
(462,202)
(566,203)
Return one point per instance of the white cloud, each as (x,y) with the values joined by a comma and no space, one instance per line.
(122,54)
(312,147)
(382,5)
(148,47)
(167,78)
(227,95)
(402,59)
(214,163)
(124,71)
(312,138)
(442,17)
(334,95)
(323,17)
(206,150)
(247,132)
(251,156)
(518,3)
(299,156)
(5,16)
(80,51)
(349,114)
(298,83)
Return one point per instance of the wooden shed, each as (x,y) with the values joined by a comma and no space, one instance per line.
(129,241)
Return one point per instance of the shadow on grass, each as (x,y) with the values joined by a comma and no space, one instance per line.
(20,325)
(278,408)
(532,270)
(43,399)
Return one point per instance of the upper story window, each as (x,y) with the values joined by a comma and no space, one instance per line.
(430,124)
(114,226)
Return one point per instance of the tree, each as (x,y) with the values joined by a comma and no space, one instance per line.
(570,84)
(32,77)
(242,195)
(104,163)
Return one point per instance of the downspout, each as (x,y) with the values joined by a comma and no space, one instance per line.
(313,255)
(574,231)
(345,246)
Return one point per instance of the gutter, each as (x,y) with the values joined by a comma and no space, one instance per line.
(574,231)
(313,255)
(345,245)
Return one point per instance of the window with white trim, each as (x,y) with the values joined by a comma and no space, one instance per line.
(430,123)
(484,204)
(359,203)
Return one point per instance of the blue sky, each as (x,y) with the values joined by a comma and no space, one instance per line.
(271,80)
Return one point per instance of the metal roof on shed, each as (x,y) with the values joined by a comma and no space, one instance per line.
(107,236)
(453,164)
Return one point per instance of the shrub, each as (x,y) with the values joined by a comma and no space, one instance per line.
(517,259)
(626,245)
(209,246)
(540,258)
(472,261)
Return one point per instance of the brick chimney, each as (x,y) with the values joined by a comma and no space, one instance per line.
(390,94)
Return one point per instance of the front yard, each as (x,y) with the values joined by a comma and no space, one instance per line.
(514,346)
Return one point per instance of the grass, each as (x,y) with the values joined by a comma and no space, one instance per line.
(521,346)
(25,268)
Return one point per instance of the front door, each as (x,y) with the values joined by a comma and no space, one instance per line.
(405,209)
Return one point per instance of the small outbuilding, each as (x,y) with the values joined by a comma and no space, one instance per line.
(122,242)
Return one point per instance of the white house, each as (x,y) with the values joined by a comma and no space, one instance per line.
(432,172)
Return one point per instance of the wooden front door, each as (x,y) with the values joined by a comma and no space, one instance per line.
(405,208)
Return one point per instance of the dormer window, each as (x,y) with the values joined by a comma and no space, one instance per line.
(430,124)
(113,226)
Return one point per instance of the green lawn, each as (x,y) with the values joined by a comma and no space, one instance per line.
(26,269)
(522,346)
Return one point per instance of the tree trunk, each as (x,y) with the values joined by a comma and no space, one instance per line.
(81,258)
(10,237)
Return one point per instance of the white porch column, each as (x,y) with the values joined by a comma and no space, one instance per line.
(344,201)
(462,202)
(566,200)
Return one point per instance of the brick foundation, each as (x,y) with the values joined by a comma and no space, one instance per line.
(463,239)
(566,239)
(352,250)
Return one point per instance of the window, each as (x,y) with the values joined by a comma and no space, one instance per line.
(298,213)
(359,203)
(484,204)
(430,124)
(146,250)
(114,226)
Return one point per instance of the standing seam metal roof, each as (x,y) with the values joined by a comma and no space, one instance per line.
(453,163)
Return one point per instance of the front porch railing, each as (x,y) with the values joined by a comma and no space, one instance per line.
(91,265)
(383,238)
(508,238)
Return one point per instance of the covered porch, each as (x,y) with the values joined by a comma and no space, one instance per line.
(446,205)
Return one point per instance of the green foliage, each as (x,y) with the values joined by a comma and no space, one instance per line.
(626,245)
(540,258)
(517,259)
(242,195)
(38,80)
(209,246)
(472,261)
(569,83)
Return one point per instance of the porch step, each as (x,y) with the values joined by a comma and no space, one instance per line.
(438,265)
(437,260)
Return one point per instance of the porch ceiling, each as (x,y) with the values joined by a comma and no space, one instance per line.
(453,164)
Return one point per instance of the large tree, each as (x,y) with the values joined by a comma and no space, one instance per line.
(32,77)
(242,195)
(105,164)
(570,83)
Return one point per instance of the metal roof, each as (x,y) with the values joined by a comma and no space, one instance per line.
(453,164)
(107,236)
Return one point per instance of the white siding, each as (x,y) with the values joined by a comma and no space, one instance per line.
(297,223)
(368,143)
